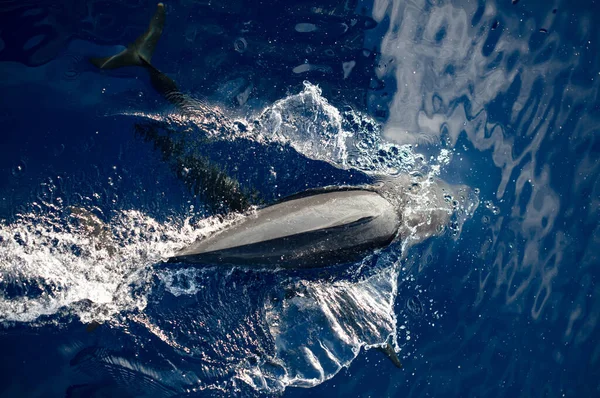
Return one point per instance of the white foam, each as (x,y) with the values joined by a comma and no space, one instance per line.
(99,268)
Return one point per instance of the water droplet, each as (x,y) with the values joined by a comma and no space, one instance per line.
(19,169)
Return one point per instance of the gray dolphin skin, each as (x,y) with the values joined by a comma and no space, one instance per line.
(315,228)
(334,225)
(307,230)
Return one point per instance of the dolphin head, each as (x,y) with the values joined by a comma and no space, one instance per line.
(427,206)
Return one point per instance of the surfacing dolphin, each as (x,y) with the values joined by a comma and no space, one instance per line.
(315,228)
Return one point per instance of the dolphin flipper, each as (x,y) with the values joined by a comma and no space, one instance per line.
(139,53)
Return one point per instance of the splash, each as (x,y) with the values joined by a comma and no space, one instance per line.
(306,122)
(66,260)
(266,330)
(348,316)
(315,328)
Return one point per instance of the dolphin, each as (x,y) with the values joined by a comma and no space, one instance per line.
(311,229)
(315,228)
(329,226)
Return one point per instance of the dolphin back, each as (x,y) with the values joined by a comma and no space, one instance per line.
(311,230)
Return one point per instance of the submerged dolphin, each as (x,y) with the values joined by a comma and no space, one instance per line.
(314,228)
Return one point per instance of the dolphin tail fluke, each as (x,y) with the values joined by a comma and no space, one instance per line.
(146,43)
(139,53)
(124,58)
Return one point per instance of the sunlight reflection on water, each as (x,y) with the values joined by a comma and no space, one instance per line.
(499,96)
(515,83)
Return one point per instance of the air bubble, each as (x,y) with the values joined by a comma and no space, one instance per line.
(240,45)
(492,207)
(415,306)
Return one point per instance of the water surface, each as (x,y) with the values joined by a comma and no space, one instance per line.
(501,97)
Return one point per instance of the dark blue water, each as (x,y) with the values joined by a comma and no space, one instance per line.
(501,98)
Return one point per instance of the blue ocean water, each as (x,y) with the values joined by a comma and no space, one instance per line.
(501,97)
